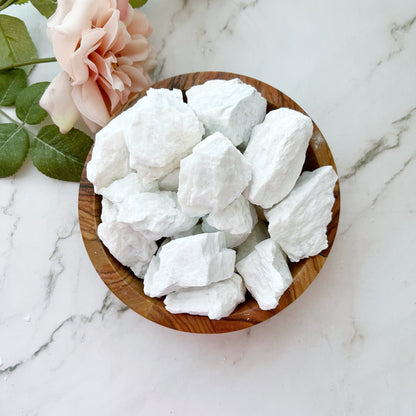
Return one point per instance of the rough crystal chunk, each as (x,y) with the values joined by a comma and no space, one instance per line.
(128,246)
(276,152)
(258,235)
(212,177)
(230,107)
(299,222)
(170,182)
(154,214)
(265,273)
(193,261)
(163,130)
(110,156)
(235,220)
(216,301)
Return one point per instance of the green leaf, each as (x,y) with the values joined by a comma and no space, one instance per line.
(14,145)
(137,3)
(27,103)
(60,156)
(22,1)
(45,7)
(11,83)
(15,42)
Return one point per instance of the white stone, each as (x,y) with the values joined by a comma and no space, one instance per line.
(170,182)
(139,268)
(125,244)
(193,261)
(161,131)
(216,301)
(165,94)
(299,222)
(265,273)
(108,211)
(129,185)
(258,235)
(230,107)
(235,220)
(212,177)
(154,214)
(276,152)
(196,229)
(110,156)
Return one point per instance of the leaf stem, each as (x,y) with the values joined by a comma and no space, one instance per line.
(7,4)
(7,116)
(30,62)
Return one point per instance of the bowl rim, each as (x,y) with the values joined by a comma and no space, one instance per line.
(129,289)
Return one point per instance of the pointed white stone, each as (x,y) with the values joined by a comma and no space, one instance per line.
(230,107)
(235,220)
(154,214)
(265,273)
(125,244)
(212,177)
(276,152)
(193,261)
(129,185)
(108,211)
(258,235)
(216,301)
(163,130)
(299,222)
(110,156)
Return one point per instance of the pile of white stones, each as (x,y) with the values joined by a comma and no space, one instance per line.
(182,184)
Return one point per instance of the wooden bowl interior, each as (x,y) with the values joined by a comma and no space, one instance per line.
(129,289)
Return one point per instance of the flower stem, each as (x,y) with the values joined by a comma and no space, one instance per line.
(31,62)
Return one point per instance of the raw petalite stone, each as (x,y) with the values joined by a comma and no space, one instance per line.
(265,273)
(170,182)
(154,214)
(276,152)
(193,261)
(258,235)
(110,157)
(129,247)
(212,177)
(162,130)
(230,107)
(129,185)
(108,211)
(216,301)
(196,229)
(235,220)
(299,222)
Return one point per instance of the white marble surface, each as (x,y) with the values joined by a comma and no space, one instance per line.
(346,347)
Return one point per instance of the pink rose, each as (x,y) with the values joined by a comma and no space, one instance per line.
(105,55)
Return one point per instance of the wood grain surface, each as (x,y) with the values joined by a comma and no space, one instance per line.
(129,289)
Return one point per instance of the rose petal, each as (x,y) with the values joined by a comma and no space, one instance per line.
(137,49)
(139,80)
(90,102)
(123,6)
(57,101)
(137,24)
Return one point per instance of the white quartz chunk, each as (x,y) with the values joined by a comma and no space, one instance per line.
(276,152)
(170,182)
(129,185)
(161,131)
(110,157)
(108,211)
(154,214)
(193,261)
(196,229)
(125,244)
(212,177)
(216,301)
(299,222)
(258,235)
(230,107)
(235,220)
(265,273)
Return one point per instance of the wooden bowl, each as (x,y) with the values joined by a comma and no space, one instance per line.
(129,289)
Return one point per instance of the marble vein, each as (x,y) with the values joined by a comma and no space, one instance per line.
(230,22)
(76,319)
(389,141)
(398,32)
